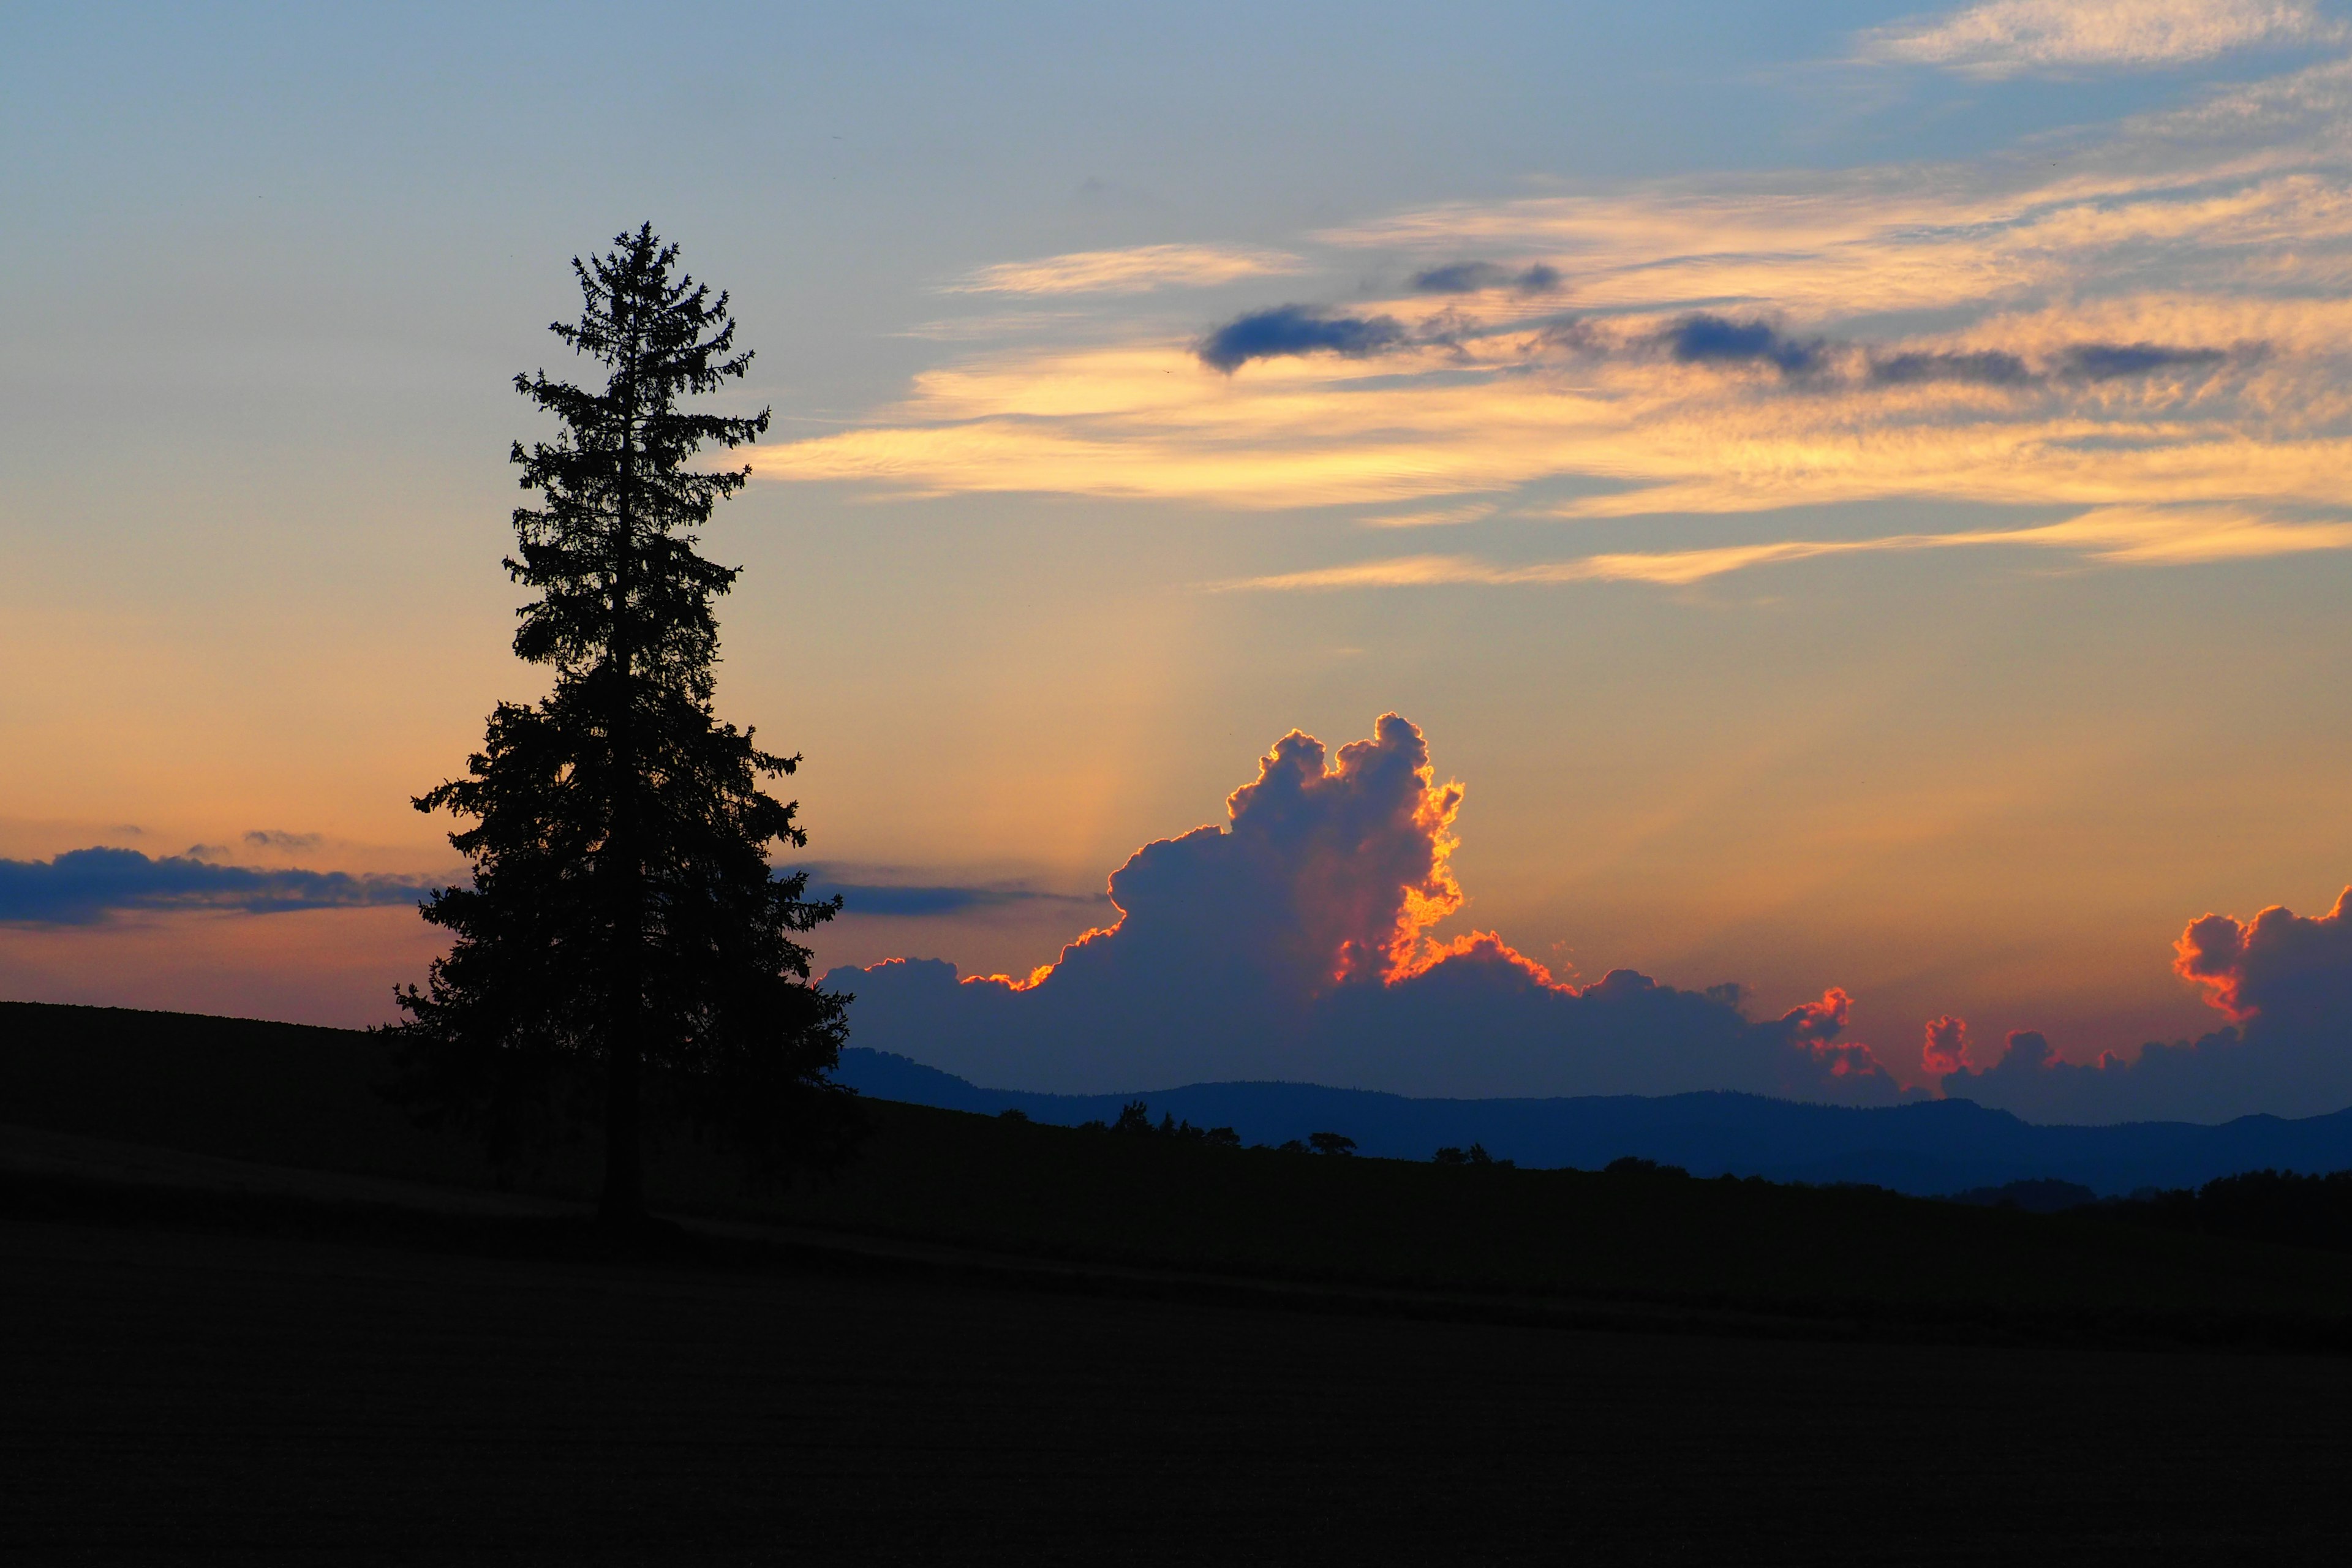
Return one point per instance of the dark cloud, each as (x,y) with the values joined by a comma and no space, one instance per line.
(1292,943)
(2110,361)
(2284,979)
(1475,277)
(275,839)
(917,900)
(1990,367)
(1703,338)
(1298,329)
(83,885)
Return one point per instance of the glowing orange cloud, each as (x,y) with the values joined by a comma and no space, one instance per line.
(2277,961)
(1946,1049)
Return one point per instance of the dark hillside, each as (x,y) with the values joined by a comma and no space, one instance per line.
(1930,1147)
(304,1098)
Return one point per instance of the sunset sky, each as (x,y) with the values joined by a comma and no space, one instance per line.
(1856,497)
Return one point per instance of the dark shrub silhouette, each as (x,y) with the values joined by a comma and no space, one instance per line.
(622,928)
(1332,1143)
(2046,1195)
(1135,1116)
(2257,1205)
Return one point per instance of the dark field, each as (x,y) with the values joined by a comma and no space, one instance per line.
(175,1396)
(1833,1259)
(353,1347)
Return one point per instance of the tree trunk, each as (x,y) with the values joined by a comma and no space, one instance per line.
(624,1198)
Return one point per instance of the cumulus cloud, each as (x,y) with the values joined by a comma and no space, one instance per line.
(1946,1048)
(2279,973)
(2284,981)
(1130,272)
(1289,330)
(84,886)
(1295,942)
(2010,37)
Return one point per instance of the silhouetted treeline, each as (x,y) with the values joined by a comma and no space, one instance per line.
(1135,1116)
(2256,1205)
(1474,1156)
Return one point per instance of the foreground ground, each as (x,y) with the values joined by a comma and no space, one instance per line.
(248,1313)
(297,1099)
(178,1395)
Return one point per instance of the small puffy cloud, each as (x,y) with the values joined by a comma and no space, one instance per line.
(1478,276)
(81,887)
(1946,1049)
(1132,271)
(1704,339)
(277,838)
(1289,330)
(2283,979)
(2012,37)
(1293,943)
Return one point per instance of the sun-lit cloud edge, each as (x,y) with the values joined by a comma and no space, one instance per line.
(2012,37)
(2121,536)
(1133,271)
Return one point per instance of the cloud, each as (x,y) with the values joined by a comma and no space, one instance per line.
(1478,276)
(2010,37)
(1434,517)
(1946,1048)
(2282,980)
(2151,318)
(1702,339)
(2279,973)
(1297,330)
(81,887)
(911,901)
(275,839)
(2106,361)
(2114,536)
(1130,272)
(1296,942)
(1982,367)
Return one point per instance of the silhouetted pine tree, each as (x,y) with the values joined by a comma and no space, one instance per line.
(623,931)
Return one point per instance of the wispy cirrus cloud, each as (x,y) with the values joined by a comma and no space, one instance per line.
(2160,321)
(1130,272)
(2118,535)
(883,890)
(2012,37)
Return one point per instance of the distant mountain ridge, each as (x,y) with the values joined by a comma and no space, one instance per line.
(1928,1147)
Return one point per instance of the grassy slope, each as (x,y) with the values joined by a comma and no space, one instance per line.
(304,1096)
